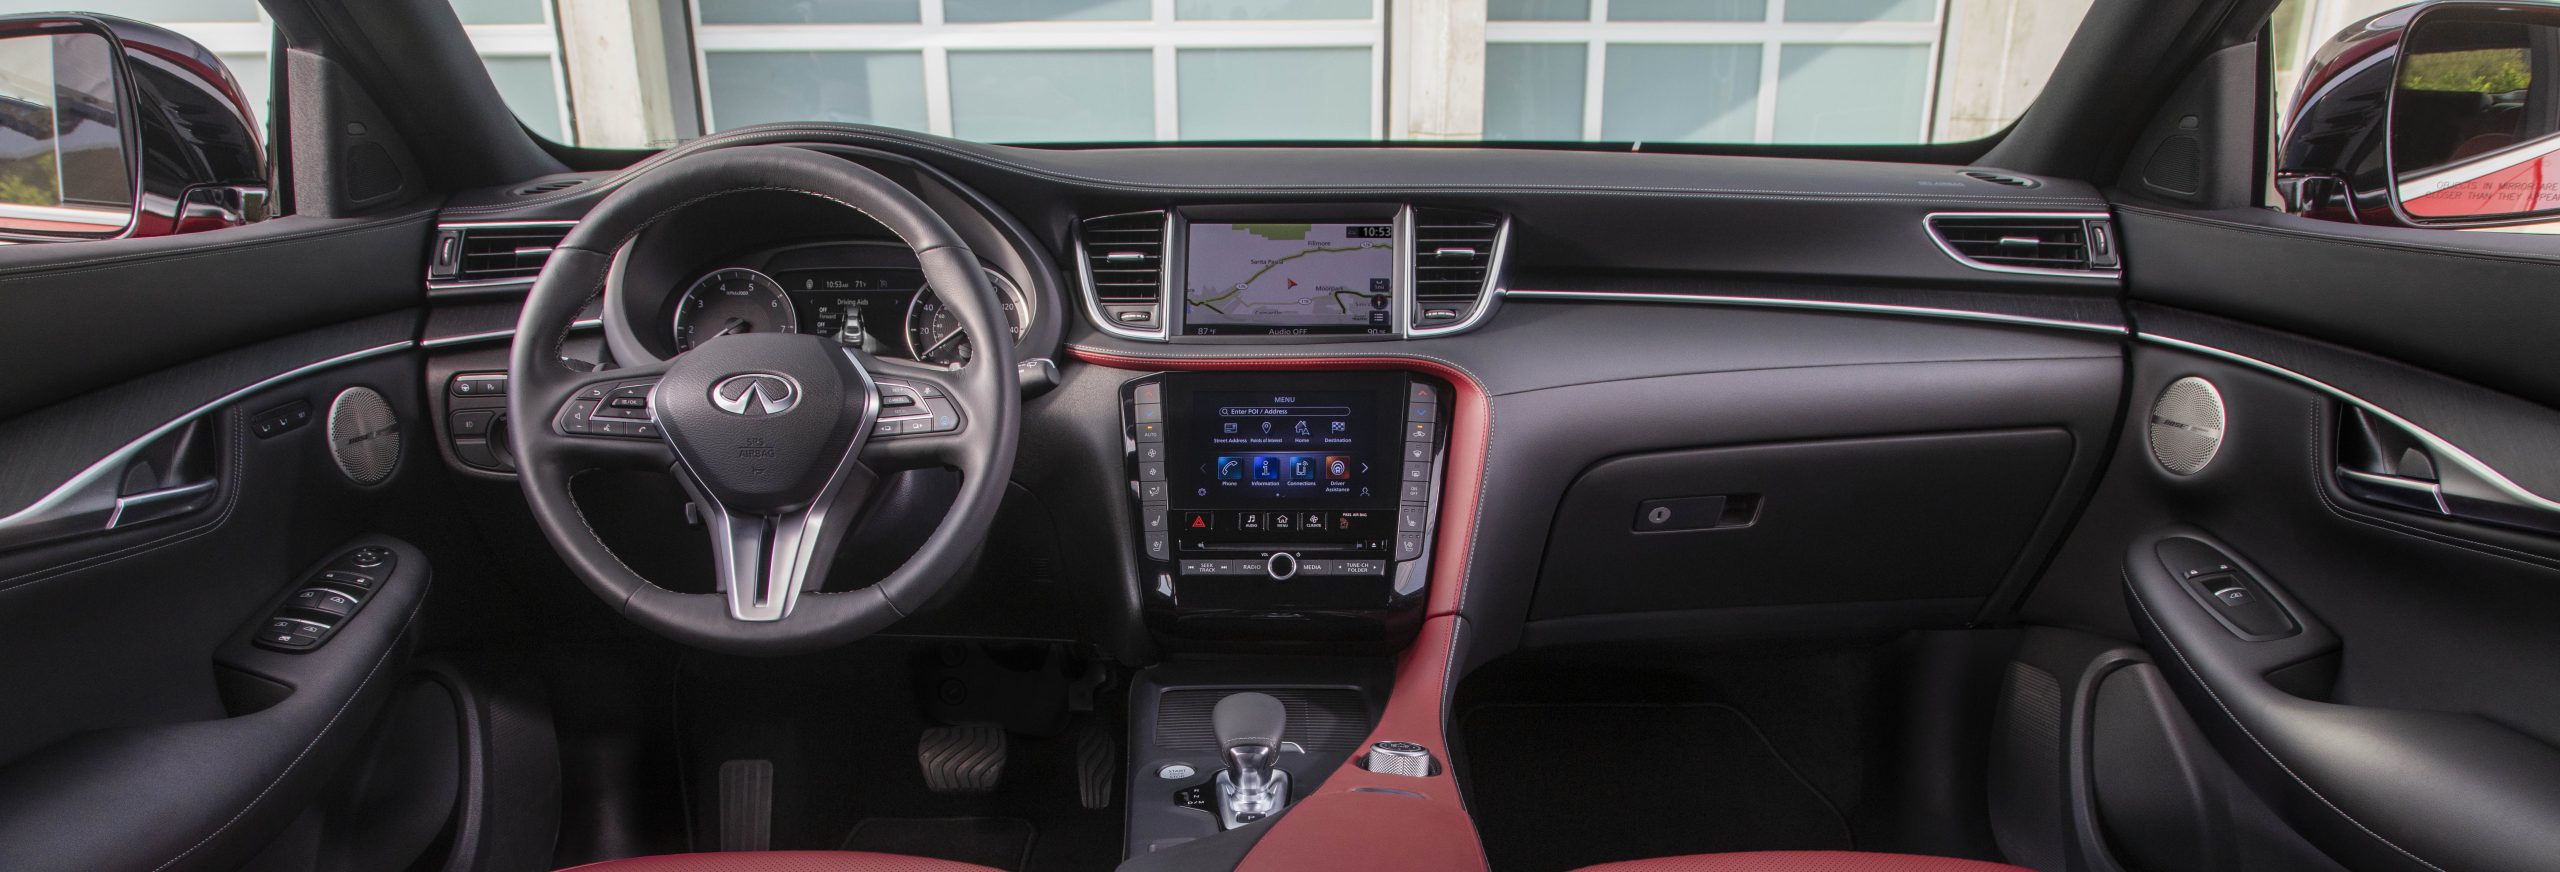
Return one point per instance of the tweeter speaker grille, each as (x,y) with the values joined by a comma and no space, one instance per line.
(364,435)
(2186,425)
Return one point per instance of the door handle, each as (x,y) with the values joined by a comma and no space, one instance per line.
(2381,463)
(167,502)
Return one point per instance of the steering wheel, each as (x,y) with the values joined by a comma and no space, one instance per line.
(780,438)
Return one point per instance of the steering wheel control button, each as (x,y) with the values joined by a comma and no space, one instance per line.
(1282,566)
(578,416)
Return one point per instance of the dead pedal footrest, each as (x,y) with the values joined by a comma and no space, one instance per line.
(961,759)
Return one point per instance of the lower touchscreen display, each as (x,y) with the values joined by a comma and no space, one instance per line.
(1288,279)
(1306,449)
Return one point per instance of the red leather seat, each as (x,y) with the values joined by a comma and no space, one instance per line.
(781,861)
(1803,861)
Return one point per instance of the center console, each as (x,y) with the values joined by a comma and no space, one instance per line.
(1284,507)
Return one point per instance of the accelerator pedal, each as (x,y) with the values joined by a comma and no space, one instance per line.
(966,759)
(746,805)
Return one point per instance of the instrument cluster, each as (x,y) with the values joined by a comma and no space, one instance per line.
(865,295)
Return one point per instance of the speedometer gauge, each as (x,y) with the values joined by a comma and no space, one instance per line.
(736,300)
(934,333)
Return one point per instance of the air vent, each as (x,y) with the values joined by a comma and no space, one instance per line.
(553,185)
(2001,179)
(492,252)
(1453,266)
(2080,245)
(1124,270)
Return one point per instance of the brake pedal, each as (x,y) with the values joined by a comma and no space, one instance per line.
(968,759)
(746,805)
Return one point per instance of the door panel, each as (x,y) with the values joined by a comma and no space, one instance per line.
(2401,712)
(170,486)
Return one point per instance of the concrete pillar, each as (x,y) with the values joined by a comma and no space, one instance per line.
(614,52)
(1435,70)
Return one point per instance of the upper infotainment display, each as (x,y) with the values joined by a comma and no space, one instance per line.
(1249,279)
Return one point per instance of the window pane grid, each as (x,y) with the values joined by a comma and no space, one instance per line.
(1808,46)
(1077,37)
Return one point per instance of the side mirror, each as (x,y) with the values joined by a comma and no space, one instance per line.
(112,128)
(2437,114)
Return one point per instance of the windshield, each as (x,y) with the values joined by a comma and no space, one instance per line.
(649,74)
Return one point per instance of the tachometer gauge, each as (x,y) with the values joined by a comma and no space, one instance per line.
(934,333)
(736,300)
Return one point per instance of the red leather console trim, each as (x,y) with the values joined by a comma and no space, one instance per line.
(1353,822)
(1364,820)
(781,861)
(1462,479)
(1803,861)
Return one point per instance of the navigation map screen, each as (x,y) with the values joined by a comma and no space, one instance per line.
(1289,279)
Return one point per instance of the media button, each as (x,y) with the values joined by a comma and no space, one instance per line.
(1315,567)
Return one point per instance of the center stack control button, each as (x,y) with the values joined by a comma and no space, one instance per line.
(1282,566)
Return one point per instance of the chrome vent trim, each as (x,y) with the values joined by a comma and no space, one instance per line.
(2079,245)
(1456,258)
(1123,262)
(492,254)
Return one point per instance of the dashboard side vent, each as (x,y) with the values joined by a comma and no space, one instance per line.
(1123,265)
(2067,244)
(493,252)
(1454,267)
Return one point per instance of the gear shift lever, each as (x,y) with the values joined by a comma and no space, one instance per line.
(1252,787)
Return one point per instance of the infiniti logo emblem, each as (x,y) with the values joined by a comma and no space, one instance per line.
(756,394)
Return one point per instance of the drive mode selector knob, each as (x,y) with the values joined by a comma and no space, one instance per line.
(1281,566)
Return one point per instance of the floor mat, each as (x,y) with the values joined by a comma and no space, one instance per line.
(1559,786)
(842,728)
(997,842)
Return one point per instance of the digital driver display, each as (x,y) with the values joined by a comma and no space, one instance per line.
(1270,279)
(1299,448)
